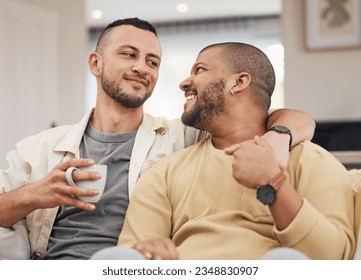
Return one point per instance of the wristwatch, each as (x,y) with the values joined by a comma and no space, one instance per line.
(283,130)
(267,193)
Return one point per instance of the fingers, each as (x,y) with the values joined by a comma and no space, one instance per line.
(148,253)
(230,150)
(157,249)
(76,162)
(170,249)
(75,202)
(76,174)
(257,140)
(63,191)
(79,175)
(260,141)
(76,191)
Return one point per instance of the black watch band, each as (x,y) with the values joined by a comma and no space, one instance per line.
(283,130)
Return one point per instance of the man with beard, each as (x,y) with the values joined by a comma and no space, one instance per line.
(116,133)
(189,206)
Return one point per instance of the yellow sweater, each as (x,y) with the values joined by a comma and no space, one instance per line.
(192,198)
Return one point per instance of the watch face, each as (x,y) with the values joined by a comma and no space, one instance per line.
(266,194)
(281,129)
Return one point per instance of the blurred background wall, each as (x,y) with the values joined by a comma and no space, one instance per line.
(325,83)
(44,80)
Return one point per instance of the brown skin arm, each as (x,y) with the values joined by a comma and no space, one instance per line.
(299,122)
(301,125)
(302,128)
(255,164)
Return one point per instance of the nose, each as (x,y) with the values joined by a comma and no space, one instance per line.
(140,67)
(185,84)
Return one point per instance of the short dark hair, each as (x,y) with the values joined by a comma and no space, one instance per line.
(136,22)
(242,57)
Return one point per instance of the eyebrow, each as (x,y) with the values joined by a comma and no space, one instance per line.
(137,50)
(198,64)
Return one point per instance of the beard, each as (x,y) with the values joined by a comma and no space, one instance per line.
(213,105)
(120,96)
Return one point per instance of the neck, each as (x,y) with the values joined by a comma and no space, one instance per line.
(243,120)
(230,133)
(111,117)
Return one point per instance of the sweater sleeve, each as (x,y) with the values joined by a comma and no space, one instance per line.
(323,228)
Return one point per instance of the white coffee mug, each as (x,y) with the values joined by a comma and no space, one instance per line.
(90,184)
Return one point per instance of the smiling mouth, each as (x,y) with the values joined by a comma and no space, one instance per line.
(139,79)
(142,82)
(190,94)
(190,97)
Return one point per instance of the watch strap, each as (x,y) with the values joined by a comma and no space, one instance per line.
(278,181)
(283,130)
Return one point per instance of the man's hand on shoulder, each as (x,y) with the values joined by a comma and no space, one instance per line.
(280,144)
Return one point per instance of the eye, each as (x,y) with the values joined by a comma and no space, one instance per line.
(199,70)
(128,54)
(153,63)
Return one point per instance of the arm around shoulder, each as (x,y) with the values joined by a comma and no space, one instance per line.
(299,122)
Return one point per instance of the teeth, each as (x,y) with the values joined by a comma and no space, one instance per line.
(190,97)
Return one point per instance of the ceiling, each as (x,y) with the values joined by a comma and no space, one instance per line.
(160,11)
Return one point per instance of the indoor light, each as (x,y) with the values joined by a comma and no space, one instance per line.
(97,14)
(182,8)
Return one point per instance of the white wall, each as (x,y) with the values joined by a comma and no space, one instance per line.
(28,72)
(73,45)
(325,84)
(43,55)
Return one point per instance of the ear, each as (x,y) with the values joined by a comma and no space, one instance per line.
(94,62)
(243,80)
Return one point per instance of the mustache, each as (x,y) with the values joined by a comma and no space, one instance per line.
(190,91)
(137,77)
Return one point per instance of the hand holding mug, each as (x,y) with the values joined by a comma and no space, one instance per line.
(98,185)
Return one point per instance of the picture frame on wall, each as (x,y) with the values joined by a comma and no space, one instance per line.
(332,24)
